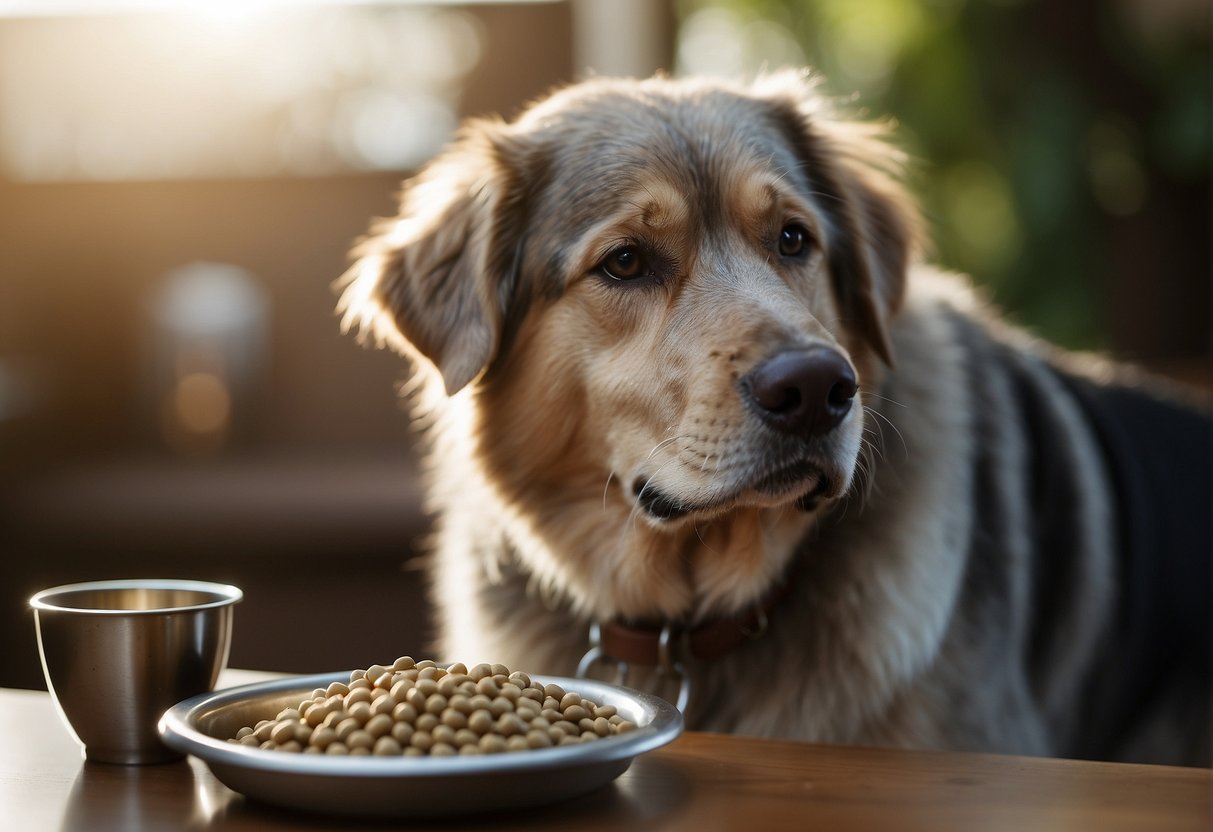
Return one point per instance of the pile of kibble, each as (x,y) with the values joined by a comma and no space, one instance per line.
(414,709)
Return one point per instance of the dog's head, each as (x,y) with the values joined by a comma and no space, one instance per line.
(663,303)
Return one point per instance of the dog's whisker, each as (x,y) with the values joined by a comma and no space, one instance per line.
(606,488)
(706,545)
(885,399)
(665,442)
(905,448)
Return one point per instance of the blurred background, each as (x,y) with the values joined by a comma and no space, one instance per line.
(180,184)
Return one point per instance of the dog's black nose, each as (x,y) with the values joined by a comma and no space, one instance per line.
(805,392)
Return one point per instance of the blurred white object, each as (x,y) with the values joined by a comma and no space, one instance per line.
(210,326)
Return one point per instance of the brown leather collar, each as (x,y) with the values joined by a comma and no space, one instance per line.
(640,643)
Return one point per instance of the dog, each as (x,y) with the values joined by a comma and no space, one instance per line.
(702,415)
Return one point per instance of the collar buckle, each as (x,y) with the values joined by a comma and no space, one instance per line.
(668,664)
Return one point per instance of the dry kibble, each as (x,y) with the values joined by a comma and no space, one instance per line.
(383,705)
(492,744)
(466,736)
(417,708)
(323,737)
(362,694)
(360,711)
(386,746)
(283,731)
(538,739)
(481,722)
(360,739)
(509,725)
(378,725)
(416,698)
(346,727)
(568,727)
(453,719)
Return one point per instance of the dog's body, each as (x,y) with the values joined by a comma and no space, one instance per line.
(689,357)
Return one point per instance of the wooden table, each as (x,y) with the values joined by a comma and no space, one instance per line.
(700,782)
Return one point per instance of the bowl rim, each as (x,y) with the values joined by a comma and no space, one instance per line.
(224,595)
(179,729)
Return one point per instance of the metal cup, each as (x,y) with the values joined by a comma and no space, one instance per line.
(117,654)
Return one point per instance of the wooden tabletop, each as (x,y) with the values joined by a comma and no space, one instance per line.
(700,782)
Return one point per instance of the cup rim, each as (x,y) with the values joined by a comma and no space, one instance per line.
(227,594)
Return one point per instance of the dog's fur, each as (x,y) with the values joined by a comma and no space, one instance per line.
(955,574)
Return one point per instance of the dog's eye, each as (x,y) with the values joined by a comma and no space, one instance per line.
(793,240)
(624,263)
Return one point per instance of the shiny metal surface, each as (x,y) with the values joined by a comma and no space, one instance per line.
(116,654)
(406,787)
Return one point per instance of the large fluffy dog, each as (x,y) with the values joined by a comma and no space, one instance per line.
(689,380)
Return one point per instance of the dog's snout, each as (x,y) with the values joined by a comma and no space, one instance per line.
(806,392)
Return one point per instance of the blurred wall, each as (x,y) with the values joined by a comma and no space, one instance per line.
(311,502)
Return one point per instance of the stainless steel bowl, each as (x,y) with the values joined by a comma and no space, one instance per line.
(116,654)
(407,787)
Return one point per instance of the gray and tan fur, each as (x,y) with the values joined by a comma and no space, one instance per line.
(934,600)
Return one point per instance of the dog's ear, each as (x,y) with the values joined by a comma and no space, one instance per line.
(875,228)
(435,281)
